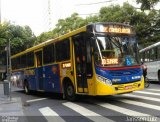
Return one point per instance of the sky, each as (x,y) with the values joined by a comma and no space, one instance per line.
(34,13)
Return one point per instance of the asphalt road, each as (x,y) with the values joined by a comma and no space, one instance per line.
(41,107)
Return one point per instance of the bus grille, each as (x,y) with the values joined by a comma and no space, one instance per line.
(124,72)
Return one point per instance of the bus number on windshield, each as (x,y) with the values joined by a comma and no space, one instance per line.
(109,61)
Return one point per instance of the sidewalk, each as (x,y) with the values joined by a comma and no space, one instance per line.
(10,109)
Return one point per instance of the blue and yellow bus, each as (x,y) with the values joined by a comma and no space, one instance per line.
(97,59)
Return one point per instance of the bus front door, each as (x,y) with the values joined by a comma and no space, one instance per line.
(80,64)
(39,70)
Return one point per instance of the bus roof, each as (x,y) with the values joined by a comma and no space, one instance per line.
(82,29)
(150,47)
(51,41)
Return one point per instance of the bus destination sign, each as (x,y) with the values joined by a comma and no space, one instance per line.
(113,29)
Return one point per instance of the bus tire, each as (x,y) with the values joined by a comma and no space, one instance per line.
(69,91)
(26,87)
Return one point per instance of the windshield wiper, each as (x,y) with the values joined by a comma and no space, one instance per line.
(117,45)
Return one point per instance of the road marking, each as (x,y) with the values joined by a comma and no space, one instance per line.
(46,111)
(35,100)
(153,89)
(122,110)
(142,97)
(141,104)
(51,115)
(139,115)
(87,113)
(150,93)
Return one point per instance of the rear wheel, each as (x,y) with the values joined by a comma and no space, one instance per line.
(69,91)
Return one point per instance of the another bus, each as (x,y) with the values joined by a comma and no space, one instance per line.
(151,58)
(97,59)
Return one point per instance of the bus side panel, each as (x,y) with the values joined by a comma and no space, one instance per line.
(32,82)
(30,76)
(39,78)
(52,78)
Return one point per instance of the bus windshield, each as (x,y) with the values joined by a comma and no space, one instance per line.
(115,51)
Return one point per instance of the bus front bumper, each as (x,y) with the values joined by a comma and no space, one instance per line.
(103,89)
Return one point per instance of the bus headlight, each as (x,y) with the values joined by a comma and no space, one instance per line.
(136,77)
(139,78)
(104,80)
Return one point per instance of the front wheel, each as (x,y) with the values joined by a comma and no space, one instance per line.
(70,92)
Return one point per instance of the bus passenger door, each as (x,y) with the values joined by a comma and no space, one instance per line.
(80,63)
(39,70)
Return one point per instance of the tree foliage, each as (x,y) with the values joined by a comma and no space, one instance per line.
(20,37)
(62,27)
(147,4)
(147,26)
(44,36)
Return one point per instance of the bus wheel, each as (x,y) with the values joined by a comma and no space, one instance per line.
(26,87)
(69,91)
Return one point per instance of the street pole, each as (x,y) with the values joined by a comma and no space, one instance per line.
(7,72)
(10,66)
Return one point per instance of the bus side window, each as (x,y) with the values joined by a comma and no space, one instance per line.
(89,58)
(30,59)
(39,58)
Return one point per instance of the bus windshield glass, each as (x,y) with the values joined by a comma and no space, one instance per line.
(115,51)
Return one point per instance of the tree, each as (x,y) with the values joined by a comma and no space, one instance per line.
(147,26)
(20,37)
(44,36)
(92,19)
(147,4)
(154,33)
(62,27)
(70,23)
(3,35)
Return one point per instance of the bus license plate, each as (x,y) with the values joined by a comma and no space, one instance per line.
(128,87)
